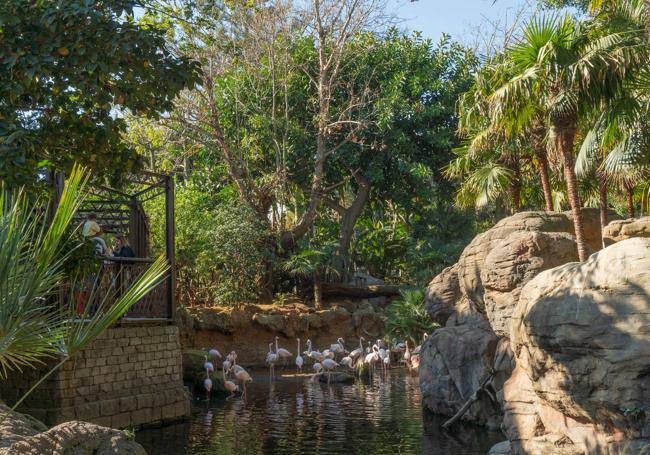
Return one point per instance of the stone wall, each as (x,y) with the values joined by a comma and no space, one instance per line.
(130,377)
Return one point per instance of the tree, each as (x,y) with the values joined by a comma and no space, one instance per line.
(68,68)
(568,68)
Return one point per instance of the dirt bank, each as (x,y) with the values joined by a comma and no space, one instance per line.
(249,329)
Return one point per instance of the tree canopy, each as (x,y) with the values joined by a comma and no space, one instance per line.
(68,70)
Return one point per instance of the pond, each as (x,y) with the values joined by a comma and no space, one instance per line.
(295,415)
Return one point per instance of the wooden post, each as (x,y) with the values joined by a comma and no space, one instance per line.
(170,245)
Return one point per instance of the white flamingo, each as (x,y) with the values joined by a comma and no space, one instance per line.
(358,351)
(318,369)
(228,385)
(281,352)
(299,360)
(338,347)
(329,365)
(207,365)
(407,355)
(214,353)
(314,355)
(242,377)
(271,360)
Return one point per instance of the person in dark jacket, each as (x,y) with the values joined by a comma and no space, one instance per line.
(122,248)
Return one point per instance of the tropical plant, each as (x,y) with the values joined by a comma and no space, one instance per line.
(568,66)
(36,324)
(314,263)
(407,317)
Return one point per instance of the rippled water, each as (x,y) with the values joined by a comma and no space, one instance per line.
(297,416)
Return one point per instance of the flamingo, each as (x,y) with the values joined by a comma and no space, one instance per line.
(271,360)
(338,347)
(415,363)
(387,362)
(229,385)
(208,366)
(329,365)
(347,361)
(416,351)
(242,377)
(318,368)
(358,351)
(407,355)
(281,352)
(207,384)
(381,352)
(314,355)
(214,353)
(372,357)
(299,359)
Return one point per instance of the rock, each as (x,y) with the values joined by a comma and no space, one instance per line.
(21,434)
(618,230)
(453,363)
(515,261)
(17,426)
(581,337)
(338,378)
(475,299)
(76,438)
(502,448)
(442,294)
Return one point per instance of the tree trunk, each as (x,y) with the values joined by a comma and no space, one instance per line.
(564,141)
(515,186)
(602,193)
(629,198)
(318,289)
(542,167)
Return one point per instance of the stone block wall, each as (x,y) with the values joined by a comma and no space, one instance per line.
(130,377)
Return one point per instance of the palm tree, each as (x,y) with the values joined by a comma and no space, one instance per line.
(510,127)
(567,66)
(314,263)
(35,324)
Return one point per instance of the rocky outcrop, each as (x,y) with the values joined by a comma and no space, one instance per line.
(475,300)
(21,434)
(625,229)
(581,337)
(249,329)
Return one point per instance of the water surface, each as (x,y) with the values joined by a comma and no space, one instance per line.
(296,416)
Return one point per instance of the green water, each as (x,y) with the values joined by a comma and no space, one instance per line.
(297,416)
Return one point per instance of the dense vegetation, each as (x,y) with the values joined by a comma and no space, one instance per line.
(334,136)
(313,142)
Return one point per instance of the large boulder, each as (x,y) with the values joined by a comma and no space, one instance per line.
(21,434)
(618,230)
(581,337)
(475,299)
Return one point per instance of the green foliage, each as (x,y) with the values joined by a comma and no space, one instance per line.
(221,247)
(67,67)
(407,318)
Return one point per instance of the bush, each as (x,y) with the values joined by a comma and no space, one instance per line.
(407,318)
(221,248)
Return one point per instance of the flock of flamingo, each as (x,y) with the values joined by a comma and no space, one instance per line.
(369,358)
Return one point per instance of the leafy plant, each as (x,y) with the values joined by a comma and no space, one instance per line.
(407,318)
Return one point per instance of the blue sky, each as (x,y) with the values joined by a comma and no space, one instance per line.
(456,17)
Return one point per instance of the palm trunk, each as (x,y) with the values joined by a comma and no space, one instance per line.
(629,198)
(515,187)
(318,289)
(602,193)
(564,141)
(542,167)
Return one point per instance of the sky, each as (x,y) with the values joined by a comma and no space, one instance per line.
(459,18)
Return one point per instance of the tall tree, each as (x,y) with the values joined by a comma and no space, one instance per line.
(569,68)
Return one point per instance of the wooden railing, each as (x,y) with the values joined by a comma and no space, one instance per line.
(115,277)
